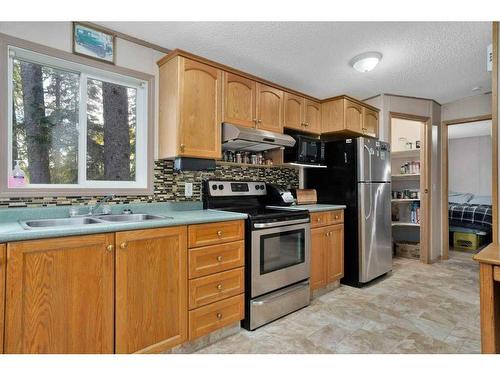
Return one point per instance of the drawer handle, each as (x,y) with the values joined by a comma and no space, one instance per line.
(219,316)
(123,245)
(110,248)
(337,217)
(219,287)
(219,258)
(219,233)
(318,219)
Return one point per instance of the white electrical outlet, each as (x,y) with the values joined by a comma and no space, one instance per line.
(188,189)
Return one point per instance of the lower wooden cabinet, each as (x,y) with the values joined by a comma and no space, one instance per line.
(327,254)
(60,295)
(3,264)
(151,289)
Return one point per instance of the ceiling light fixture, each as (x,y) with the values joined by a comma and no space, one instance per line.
(366,61)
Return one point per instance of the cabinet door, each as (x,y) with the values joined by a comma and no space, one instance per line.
(239,100)
(353,113)
(60,295)
(370,122)
(318,258)
(312,116)
(335,252)
(2,292)
(269,108)
(200,125)
(293,111)
(151,289)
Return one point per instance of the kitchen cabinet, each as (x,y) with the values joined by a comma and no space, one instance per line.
(151,289)
(269,108)
(60,295)
(327,248)
(239,100)
(215,233)
(302,114)
(348,116)
(3,265)
(190,101)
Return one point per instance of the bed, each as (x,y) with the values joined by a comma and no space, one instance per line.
(469,213)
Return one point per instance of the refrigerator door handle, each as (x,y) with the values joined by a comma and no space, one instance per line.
(370,179)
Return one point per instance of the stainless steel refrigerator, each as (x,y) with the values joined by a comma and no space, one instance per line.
(358,174)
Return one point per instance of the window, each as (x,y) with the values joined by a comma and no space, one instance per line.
(76,126)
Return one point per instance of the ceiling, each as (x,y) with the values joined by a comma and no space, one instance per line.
(471,129)
(437,60)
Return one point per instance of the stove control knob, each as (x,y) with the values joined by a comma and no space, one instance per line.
(214,187)
(257,187)
(262,187)
(221,187)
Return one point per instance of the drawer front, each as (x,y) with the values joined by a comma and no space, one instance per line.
(496,273)
(212,317)
(213,288)
(320,219)
(215,233)
(207,260)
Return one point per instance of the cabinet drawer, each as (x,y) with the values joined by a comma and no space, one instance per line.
(207,260)
(319,219)
(208,289)
(212,317)
(214,233)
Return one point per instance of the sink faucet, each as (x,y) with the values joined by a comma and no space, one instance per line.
(94,208)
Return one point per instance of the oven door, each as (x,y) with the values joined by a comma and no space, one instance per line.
(280,255)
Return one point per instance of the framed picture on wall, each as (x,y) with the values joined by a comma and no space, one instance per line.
(93,42)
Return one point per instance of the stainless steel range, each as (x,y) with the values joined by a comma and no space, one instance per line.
(277,250)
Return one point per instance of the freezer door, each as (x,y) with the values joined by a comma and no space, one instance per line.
(375,230)
(374,161)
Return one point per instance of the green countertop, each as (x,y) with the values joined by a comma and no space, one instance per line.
(181,214)
(313,207)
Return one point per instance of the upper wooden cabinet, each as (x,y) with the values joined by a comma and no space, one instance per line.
(151,289)
(269,108)
(239,100)
(190,109)
(302,114)
(2,292)
(345,115)
(60,295)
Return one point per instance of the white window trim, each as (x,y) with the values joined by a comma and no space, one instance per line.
(87,71)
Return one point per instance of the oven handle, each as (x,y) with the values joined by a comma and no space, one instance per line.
(280,223)
(280,293)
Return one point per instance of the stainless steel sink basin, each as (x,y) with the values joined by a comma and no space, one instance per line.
(132,217)
(50,223)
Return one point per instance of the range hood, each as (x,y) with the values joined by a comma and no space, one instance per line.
(239,138)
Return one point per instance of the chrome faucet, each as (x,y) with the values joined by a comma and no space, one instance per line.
(94,208)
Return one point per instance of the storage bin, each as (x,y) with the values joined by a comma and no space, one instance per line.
(407,249)
(468,241)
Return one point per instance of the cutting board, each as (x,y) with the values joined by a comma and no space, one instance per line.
(306,196)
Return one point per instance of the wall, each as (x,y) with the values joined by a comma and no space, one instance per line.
(469,167)
(472,106)
(404,129)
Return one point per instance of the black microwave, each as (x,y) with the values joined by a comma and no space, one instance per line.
(307,150)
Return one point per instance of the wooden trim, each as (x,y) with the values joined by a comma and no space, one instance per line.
(444,177)
(412,97)
(5,42)
(127,37)
(494,131)
(489,301)
(425,180)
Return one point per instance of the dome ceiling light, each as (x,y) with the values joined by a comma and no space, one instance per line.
(366,61)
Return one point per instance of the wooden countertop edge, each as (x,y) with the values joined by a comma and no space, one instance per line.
(490,254)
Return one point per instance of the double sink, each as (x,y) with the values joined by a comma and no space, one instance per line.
(87,220)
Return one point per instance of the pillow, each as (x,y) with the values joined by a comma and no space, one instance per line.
(481,199)
(459,198)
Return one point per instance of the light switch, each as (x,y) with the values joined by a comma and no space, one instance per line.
(188,189)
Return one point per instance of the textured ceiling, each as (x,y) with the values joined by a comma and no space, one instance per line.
(438,60)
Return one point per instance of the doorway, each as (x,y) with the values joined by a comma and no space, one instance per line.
(410,165)
(467,179)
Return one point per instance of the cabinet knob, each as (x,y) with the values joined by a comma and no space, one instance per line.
(110,248)
(219,233)
(337,217)
(259,121)
(219,287)
(123,245)
(219,316)
(219,258)
(182,146)
(318,219)
(255,120)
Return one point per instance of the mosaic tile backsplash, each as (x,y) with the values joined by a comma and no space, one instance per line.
(169,185)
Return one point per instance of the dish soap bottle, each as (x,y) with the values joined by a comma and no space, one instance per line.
(18,178)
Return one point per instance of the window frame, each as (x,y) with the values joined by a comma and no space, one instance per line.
(88,69)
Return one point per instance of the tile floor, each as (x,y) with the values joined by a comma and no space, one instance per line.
(417,309)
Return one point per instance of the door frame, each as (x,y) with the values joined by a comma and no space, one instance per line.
(444,178)
(425,173)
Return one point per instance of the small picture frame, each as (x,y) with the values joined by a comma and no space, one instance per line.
(93,42)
